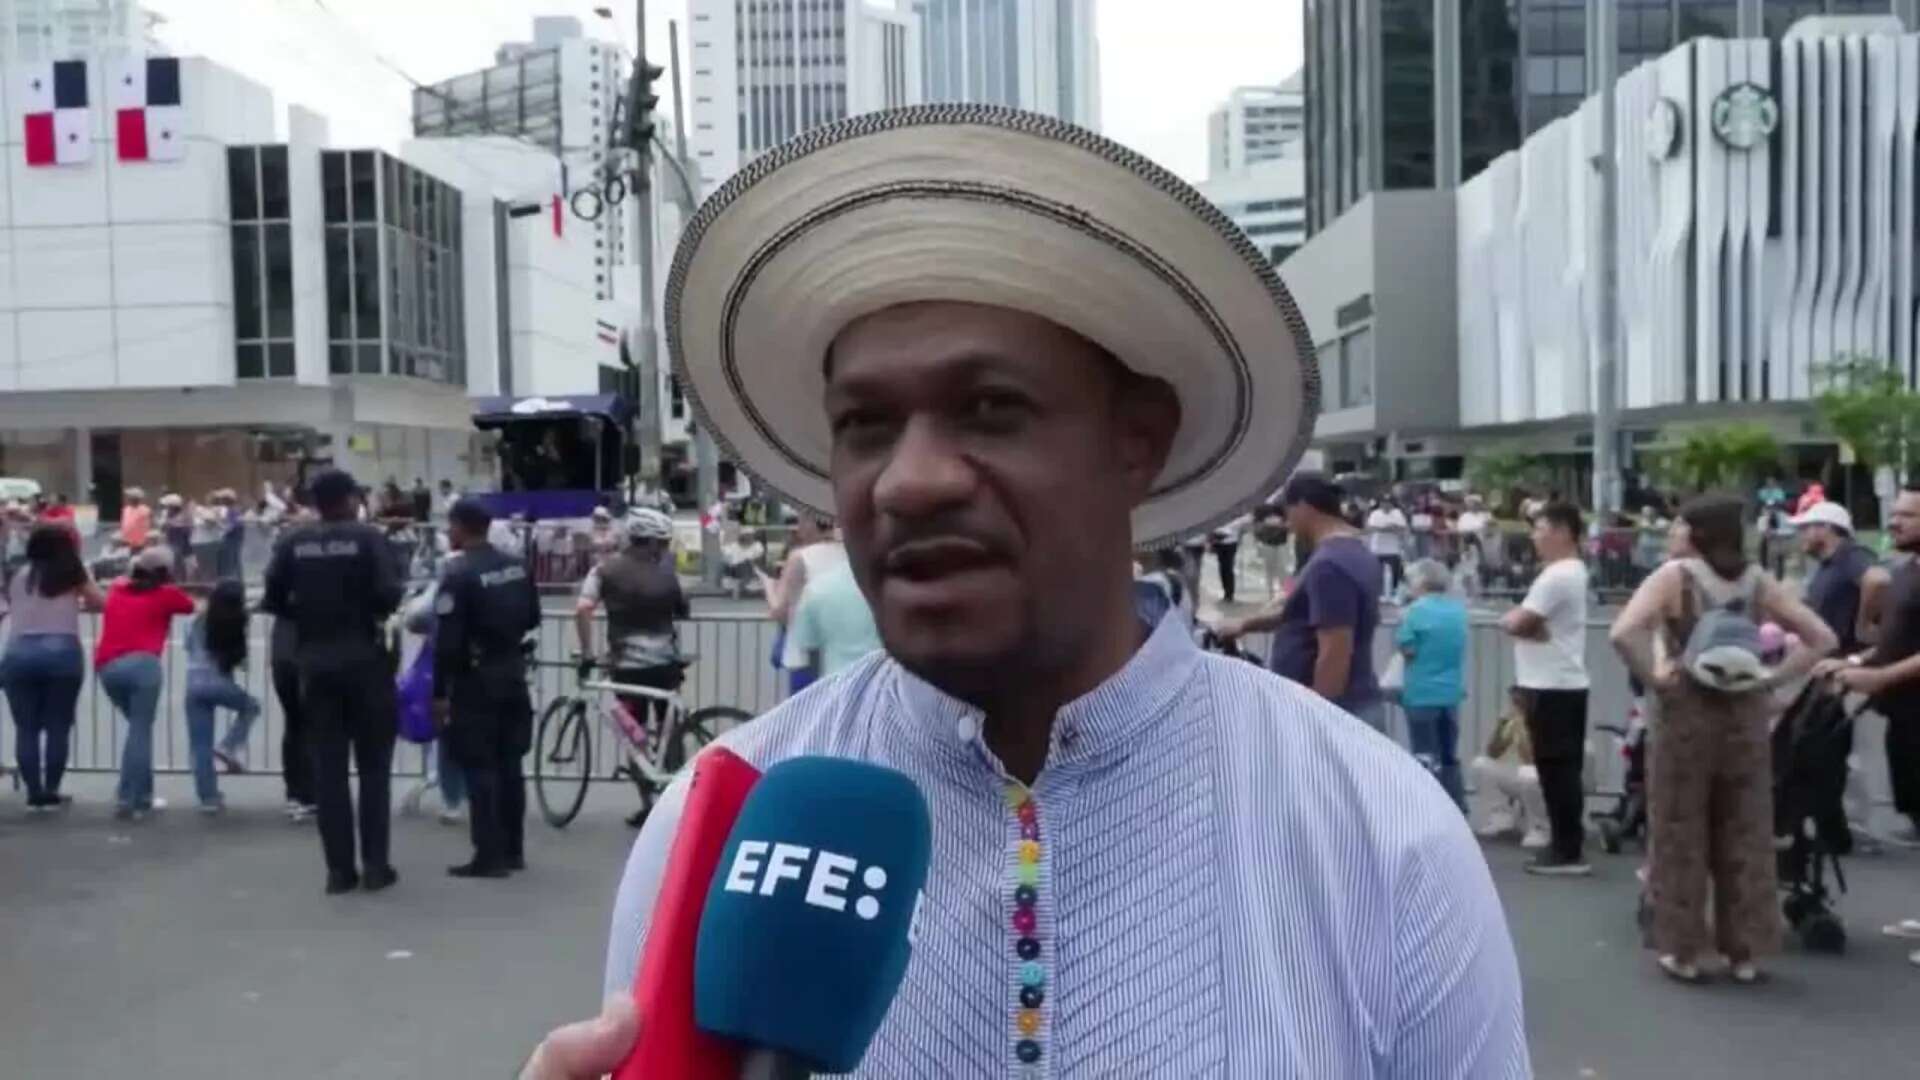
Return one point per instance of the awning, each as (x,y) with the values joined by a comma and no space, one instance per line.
(494,412)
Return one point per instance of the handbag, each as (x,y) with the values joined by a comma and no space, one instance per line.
(413,695)
(1394,679)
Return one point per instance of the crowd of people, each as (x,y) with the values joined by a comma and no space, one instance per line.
(1708,696)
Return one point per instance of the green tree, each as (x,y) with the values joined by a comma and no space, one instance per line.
(1869,406)
(1496,474)
(1725,456)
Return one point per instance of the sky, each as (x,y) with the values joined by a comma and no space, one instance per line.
(1164,63)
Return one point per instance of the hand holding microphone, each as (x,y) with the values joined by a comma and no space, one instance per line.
(789,966)
(587,1050)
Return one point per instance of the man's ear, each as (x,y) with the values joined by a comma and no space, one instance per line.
(1146,418)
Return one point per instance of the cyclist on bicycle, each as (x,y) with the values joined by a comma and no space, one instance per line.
(641,592)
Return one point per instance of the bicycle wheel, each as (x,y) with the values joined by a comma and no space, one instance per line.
(562,760)
(699,728)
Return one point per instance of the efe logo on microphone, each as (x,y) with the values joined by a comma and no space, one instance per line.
(759,866)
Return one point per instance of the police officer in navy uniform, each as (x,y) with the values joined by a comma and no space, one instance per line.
(337,583)
(485,608)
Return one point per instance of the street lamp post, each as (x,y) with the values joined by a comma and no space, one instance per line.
(1603,62)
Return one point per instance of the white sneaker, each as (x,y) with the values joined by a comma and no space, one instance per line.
(159,804)
(1496,826)
(1536,839)
(455,816)
(1906,836)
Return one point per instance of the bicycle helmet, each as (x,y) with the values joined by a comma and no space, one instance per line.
(644,524)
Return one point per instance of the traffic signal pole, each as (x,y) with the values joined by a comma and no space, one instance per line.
(639,137)
(706,456)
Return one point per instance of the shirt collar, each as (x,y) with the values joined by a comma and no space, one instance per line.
(1105,724)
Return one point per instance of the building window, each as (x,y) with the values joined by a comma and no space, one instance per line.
(1356,368)
(262,262)
(393,254)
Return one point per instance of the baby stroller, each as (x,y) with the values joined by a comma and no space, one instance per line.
(1628,818)
(1810,747)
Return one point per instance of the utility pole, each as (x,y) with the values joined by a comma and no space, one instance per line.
(1603,62)
(705,454)
(641,101)
(1446,94)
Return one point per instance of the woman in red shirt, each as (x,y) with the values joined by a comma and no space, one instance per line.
(133,633)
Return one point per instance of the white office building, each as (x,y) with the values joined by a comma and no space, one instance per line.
(58,29)
(210,306)
(557,92)
(1767,227)
(1256,124)
(1038,55)
(1268,201)
(765,71)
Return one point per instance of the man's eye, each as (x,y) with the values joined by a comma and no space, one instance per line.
(996,408)
(855,422)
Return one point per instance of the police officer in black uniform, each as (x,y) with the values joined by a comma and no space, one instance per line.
(336,581)
(485,608)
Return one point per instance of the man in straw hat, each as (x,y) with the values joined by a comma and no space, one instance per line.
(1003,353)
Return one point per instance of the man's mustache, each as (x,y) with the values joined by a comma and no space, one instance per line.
(912,543)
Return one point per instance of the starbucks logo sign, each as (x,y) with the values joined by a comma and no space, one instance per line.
(1663,129)
(1745,116)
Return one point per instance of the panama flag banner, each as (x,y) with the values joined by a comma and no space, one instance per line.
(149,123)
(58,123)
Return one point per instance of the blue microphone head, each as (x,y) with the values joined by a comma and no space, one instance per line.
(806,932)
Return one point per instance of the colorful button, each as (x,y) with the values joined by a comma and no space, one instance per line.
(1029,1022)
(1028,1050)
(1031,975)
(1017,795)
(1024,921)
(1028,874)
(1028,811)
(1029,851)
(1028,949)
(1032,996)
(1026,895)
(1029,830)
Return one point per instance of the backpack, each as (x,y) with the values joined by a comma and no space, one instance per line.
(1724,651)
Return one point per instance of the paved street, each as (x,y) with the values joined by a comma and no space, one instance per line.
(192,948)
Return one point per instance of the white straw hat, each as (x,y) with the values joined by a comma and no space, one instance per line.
(993,206)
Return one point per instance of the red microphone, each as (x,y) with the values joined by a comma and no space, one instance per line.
(670,1046)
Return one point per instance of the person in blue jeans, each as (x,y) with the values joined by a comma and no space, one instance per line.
(216,648)
(1433,639)
(446,775)
(133,634)
(44,666)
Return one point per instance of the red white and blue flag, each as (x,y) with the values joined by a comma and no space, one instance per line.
(149,122)
(58,125)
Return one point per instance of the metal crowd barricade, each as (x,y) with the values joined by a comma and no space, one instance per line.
(732,666)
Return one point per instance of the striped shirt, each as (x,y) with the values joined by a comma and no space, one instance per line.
(1237,879)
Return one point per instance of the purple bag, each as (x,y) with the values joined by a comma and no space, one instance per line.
(413,693)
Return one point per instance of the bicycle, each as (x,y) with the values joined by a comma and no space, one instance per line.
(667,740)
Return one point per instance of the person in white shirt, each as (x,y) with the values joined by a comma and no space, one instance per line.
(1422,525)
(1470,532)
(1550,669)
(1225,544)
(1387,539)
